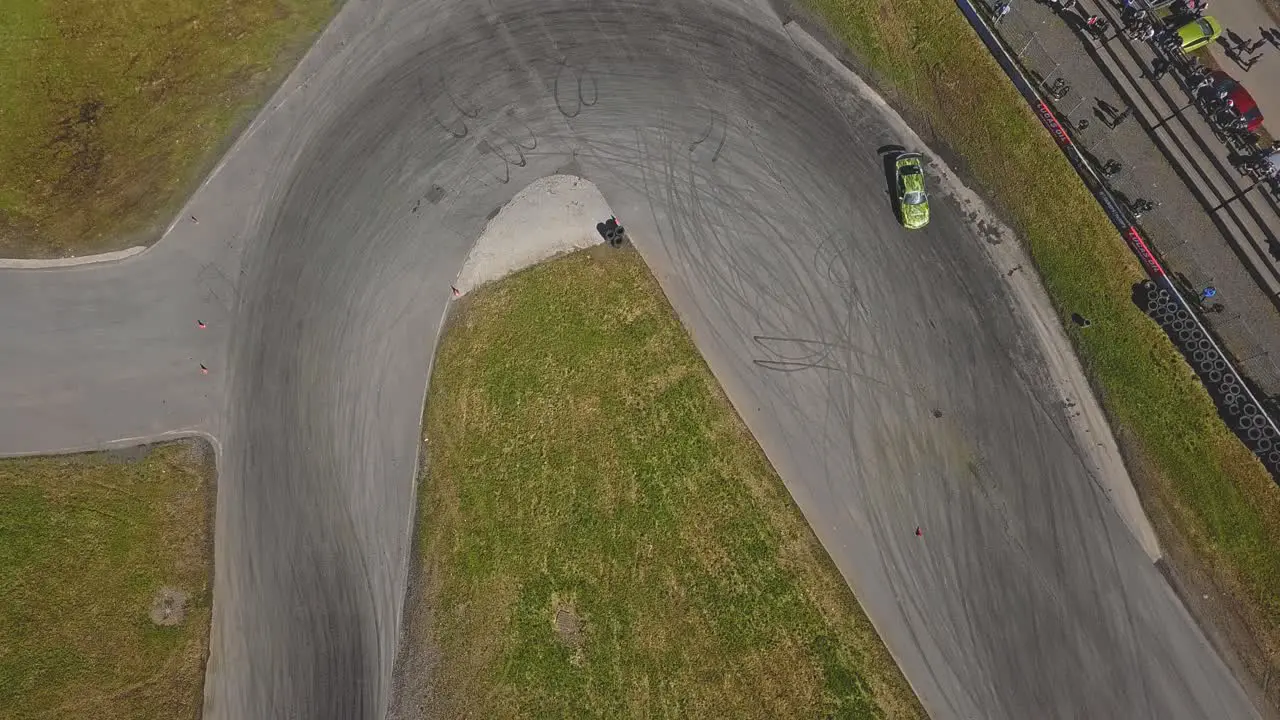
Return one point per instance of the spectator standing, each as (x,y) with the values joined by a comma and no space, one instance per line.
(1002,8)
(1097,26)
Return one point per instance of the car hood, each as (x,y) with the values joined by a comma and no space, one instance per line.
(915,216)
(1192,31)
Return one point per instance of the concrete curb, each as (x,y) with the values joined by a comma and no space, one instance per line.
(43,264)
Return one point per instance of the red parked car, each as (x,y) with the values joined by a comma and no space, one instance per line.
(1236,98)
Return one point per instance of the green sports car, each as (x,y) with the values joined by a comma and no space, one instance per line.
(1198,33)
(913,203)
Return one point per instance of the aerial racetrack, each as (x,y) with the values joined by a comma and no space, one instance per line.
(889,375)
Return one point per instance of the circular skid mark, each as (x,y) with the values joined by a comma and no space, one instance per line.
(574,88)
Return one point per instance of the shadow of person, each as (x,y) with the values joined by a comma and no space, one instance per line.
(1075,19)
(1273,249)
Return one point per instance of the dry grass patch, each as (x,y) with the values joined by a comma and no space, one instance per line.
(111,111)
(608,533)
(105,583)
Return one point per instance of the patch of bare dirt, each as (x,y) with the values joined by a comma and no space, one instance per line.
(169,608)
(568,627)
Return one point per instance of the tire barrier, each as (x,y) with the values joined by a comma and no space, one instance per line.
(1236,403)
(612,232)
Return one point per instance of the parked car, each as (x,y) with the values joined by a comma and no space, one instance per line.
(1197,34)
(1228,98)
(913,202)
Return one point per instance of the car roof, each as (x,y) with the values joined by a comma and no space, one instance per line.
(1241,99)
(1244,104)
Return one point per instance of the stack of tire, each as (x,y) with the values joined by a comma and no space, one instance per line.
(1248,421)
(612,232)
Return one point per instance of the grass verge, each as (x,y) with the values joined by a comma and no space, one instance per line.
(88,544)
(1192,472)
(111,111)
(602,537)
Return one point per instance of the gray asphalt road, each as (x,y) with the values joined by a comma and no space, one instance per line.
(323,260)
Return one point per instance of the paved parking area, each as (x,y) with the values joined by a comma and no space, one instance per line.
(1258,67)
(1210,225)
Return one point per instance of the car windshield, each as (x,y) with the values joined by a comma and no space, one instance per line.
(913,198)
(1205,28)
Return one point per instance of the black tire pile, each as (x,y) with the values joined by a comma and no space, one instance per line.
(1242,415)
(612,232)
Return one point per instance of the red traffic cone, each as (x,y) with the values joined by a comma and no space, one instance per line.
(919,532)
(204,370)
(200,324)
(455,291)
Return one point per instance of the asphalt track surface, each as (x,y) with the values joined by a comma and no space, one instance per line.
(321,264)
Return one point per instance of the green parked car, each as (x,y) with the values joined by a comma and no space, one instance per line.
(1197,33)
(913,203)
